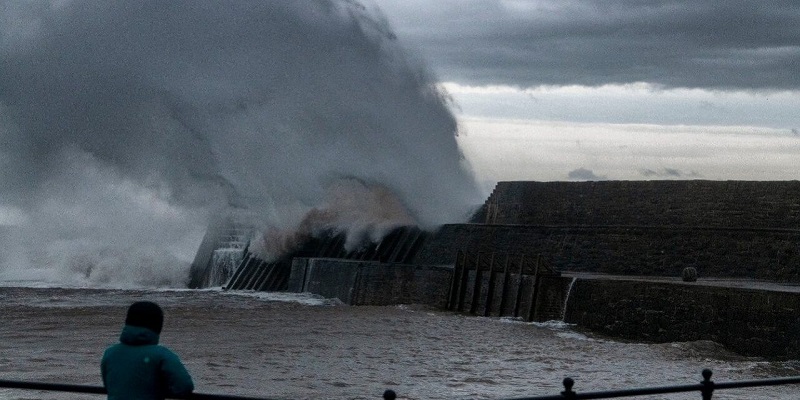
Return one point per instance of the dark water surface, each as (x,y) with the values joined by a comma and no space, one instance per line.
(302,347)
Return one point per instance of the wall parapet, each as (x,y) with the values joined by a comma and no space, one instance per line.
(764,204)
(756,253)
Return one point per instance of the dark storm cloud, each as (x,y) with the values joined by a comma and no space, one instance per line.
(708,44)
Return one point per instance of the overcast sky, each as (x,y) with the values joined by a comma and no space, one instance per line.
(559,90)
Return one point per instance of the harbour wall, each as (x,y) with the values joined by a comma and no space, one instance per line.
(754,253)
(724,229)
(751,322)
(753,204)
(741,229)
(380,284)
(371,282)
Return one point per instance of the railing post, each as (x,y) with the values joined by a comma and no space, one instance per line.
(568,393)
(708,385)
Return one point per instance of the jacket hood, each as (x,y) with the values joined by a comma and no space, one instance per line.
(138,336)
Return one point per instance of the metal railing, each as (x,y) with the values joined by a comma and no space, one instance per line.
(706,388)
(61,387)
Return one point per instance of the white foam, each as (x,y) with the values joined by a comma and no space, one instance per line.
(301,298)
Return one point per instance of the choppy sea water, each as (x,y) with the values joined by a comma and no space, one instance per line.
(289,346)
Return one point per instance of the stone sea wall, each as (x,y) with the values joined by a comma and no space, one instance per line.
(379,284)
(751,322)
(763,323)
(696,203)
(513,297)
(742,229)
(714,252)
(371,282)
(724,229)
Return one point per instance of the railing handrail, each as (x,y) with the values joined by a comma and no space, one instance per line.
(706,387)
(62,387)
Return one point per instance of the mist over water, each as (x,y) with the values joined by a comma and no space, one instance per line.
(125,124)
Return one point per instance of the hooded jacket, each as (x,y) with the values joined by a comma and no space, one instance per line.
(138,368)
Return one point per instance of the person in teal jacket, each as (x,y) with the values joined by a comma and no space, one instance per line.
(138,368)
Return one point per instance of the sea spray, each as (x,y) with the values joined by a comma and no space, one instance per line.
(363,212)
(126,123)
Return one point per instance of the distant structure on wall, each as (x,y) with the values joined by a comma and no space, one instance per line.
(746,229)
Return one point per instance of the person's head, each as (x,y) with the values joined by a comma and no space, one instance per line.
(145,314)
